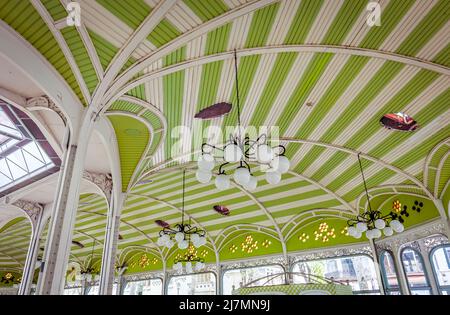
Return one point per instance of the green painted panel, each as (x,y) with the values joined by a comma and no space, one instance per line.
(132,137)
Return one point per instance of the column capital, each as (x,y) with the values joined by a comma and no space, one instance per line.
(102,181)
(31,208)
(45,102)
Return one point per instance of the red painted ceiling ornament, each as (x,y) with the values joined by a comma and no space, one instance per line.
(222,210)
(214,111)
(399,121)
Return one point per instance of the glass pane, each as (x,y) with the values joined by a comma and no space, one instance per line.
(93,290)
(144,287)
(236,278)
(195,284)
(420,292)
(441,265)
(72,291)
(412,263)
(389,272)
(357,271)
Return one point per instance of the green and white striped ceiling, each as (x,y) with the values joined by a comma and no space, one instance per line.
(291,52)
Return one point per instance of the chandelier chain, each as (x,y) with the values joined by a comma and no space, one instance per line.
(364,181)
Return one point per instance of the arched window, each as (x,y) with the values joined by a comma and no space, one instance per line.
(440,257)
(357,271)
(236,278)
(144,287)
(193,284)
(414,269)
(389,272)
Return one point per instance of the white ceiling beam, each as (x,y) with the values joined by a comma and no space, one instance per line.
(122,56)
(114,94)
(183,39)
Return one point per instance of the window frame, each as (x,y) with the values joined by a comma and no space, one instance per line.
(144,279)
(166,286)
(247,267)
(384,274)
(430,255)
(427,278)
(339,257)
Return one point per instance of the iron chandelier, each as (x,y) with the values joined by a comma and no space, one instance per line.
(372,222)
(244,151)
(183,233)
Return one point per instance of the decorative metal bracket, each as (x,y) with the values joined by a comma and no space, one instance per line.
(45,102)
(32,209)
(102,181)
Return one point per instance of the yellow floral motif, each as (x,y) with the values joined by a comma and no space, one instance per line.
(266,243)
(204,253)
(397,206)
(8,276)
(144,261)
(233,248)
(304,237)
(324,233)
(249,245)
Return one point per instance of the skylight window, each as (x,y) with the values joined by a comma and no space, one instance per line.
(25,154)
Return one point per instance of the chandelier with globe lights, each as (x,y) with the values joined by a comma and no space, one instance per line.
(188,259)
(373,222)
(242,151)
(183,233)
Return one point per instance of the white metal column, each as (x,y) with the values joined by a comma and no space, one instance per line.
(402,281)
(376,262)
(110,246)
(428,268)
(65,210)
(30,261)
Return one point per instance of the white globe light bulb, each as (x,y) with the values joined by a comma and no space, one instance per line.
(395,225)
(369,234)
(376,233)
(183,244)
(199,266)
(273,178)
(232,153)
(161,241)
(400,228)
(252,184)
(352,231)
(264,153)
(202,241)
(361,226)
(205,164)
(380,224)
(241,175)
(203,176)
(189,267)
(169,244)
(177,266)
(165,238)
(179,236)
(222,182)
(281,163)
(358,234)
(195,238)
(388,231)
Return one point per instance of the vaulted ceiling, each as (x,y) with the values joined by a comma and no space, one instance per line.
(290,53)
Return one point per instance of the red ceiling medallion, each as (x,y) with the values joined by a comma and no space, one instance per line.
(399,121)
(162,223)
(214,111)
(222,210)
